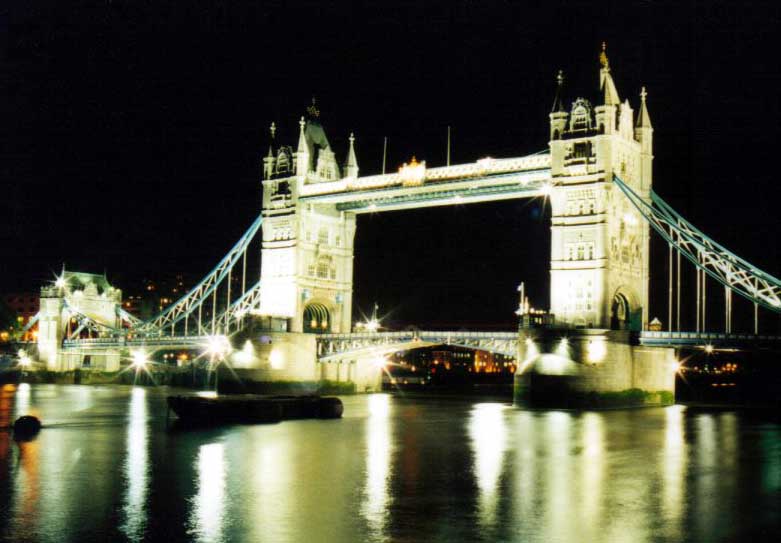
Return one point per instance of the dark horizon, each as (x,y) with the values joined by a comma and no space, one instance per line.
(133,134)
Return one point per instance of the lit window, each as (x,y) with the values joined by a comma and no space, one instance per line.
(322,236)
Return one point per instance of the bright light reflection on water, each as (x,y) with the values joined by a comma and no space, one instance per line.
(378,456)
(672,463)
(105,468)
(206,522)
(22,406)
(489,441)
(136,467)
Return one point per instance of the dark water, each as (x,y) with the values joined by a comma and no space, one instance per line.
(106,469)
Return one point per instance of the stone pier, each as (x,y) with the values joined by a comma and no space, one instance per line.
(591,368)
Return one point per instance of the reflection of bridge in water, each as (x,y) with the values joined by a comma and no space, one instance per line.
(596,176)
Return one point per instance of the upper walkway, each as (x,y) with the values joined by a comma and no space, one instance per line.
(415,186)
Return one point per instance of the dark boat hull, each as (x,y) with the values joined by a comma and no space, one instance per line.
(253,409)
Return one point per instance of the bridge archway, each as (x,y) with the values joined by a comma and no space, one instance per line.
(317,318)
(625,312)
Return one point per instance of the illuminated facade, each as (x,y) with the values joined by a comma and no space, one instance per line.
(307,254)
(599,243)
(75,299)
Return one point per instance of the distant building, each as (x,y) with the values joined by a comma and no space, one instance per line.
(443,364)
(24,305)
(154,295)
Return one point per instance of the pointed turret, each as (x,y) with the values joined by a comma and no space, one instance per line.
(644,133)
(558,115)
(268,161)
(273,131)
(302,153)
(351,166)
(558,104)
(606,84)
(643,120)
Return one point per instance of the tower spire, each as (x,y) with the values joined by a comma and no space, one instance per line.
(302,147)
(643,120)
(351,167)
(558,104)
(302,154)
(273,131)
(606,85)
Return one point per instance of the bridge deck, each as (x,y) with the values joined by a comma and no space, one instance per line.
(485,180)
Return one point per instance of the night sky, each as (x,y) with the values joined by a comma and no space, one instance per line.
(132,132)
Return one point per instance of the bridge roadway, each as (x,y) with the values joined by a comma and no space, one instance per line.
(335,346)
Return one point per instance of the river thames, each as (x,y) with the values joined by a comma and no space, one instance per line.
(107,467)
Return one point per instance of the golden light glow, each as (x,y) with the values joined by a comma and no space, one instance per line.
(379,362)
(139,358)
(277,359)
(596,351)
(218,347)
(413,173)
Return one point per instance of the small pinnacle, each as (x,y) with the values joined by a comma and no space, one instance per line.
(273,129)
(560,77)
(643,94)
(603,56)
(352,138)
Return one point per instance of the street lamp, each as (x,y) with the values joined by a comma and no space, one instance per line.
(139,359)
(24,360)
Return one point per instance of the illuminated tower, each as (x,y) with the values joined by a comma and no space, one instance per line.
(599,242)
(307,253)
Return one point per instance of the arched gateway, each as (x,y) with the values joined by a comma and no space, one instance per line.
(599,241)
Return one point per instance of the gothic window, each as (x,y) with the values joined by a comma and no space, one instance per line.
(283,162)
(324,268)
(322,236)
(580,252)
(338,241)
(310,270)
(580,118)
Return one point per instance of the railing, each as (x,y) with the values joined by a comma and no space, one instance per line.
(418,333)
(121,341)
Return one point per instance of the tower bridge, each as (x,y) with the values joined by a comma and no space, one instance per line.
(597,174)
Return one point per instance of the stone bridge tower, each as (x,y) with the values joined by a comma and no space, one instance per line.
(599,242)
(307,252)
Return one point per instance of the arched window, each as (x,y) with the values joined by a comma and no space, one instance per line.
(283,162)
(580,118)
(324,267)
